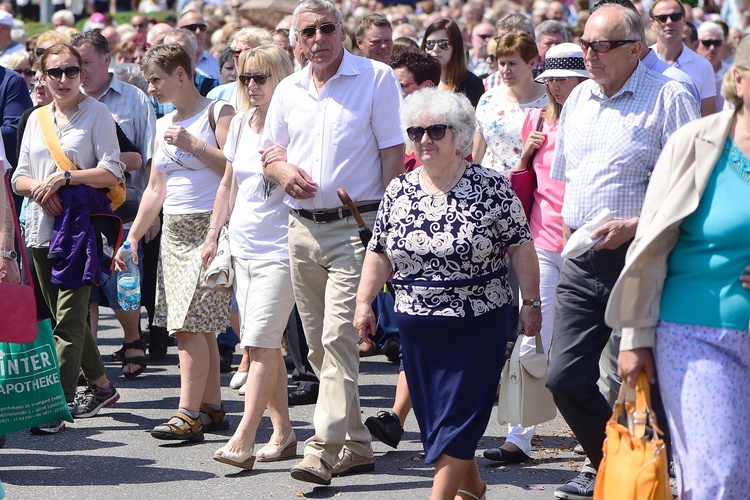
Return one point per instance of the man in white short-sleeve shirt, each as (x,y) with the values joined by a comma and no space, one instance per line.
(338,120)
(668,21)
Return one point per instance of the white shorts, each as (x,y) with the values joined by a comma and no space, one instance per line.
(263,289)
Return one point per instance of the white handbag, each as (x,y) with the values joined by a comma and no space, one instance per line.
(524,399)
(219,276)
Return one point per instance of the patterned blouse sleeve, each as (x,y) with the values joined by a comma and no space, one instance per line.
(381,227)
(513,228)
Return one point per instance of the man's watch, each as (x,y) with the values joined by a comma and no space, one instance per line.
(532,302)
(67,176)
(10,254)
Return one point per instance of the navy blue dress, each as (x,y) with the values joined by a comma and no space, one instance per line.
(448,254)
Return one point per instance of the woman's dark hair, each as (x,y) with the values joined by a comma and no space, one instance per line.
(57,49)
(455,71)
(167,58)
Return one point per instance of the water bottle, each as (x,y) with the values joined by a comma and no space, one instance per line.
(129,281)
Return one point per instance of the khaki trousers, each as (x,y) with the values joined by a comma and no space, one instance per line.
(326,262)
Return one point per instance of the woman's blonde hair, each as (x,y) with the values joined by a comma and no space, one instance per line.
(270,60)
(742,66)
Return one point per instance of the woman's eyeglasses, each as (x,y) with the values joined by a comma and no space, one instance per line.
(554,80)
(435,132)
(26,72)
(326,29)
(39,51)
(259,78)
(602,46)
(71,72)
(443,44)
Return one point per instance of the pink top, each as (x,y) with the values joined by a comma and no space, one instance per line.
(546,221)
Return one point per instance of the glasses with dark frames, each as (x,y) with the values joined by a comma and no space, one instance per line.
(434,132)
(602,46)
(709,43)
(485,37)
(196,26)
(310,31)
(259,78)
(674,17)
(443,44)
(71,72)
(549,80)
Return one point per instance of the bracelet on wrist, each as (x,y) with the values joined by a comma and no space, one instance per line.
(203,150)
(214,228)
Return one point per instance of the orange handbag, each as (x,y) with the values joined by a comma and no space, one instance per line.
(635,465)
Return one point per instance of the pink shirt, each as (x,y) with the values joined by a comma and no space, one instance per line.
(546,221)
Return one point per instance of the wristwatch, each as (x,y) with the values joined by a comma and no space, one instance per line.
(10,254)
(67,176)
(532,302)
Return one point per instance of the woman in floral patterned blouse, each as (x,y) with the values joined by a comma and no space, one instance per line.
(443,230)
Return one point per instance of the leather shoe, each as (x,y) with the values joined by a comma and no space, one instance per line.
(312,470)
(303,397)
(386,427)
(505,456)
(351,463)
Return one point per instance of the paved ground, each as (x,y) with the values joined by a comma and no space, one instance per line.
(112,455)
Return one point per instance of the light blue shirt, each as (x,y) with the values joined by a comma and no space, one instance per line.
(652,62)
(608,146)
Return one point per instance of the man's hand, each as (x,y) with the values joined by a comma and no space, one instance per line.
(615,232)
(295,181)
(632,363)
(9,272)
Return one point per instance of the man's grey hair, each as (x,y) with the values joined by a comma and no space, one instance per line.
(513,22)
(551,26)
(314,6)
(634,29)
(444,107)
(712,28)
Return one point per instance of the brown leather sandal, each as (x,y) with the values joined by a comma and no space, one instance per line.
(219,421)
(139,361)
(191,429)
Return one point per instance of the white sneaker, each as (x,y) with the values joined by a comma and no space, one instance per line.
(238,380)
(241,392)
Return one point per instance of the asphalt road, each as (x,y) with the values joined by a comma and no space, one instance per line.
(112,456)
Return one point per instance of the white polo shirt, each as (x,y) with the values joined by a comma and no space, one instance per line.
(336,135)
(698,68)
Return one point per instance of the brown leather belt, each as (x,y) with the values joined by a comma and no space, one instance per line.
(323,216)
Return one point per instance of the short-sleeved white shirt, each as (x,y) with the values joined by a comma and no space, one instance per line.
(336,135)
(258,227)
(698,68)
(191,184)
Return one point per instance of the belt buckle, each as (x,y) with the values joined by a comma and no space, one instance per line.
(315,217)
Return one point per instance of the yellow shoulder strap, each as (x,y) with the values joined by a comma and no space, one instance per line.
(44,115)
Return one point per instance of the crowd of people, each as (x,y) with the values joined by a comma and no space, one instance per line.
(213,124)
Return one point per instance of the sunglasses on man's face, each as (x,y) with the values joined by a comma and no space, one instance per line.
(196,26)
(71,72)
(434,132)
(602,46)
(326,29)
(709,43)
(485,37)
(260,79)
(674,17)
(443,44)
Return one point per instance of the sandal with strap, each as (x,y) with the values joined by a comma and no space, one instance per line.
(191,429)
(135,360)
(469,494)
(219,420)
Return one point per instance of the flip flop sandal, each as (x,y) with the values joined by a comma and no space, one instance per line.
(136,360)
(219,421)
(191,429)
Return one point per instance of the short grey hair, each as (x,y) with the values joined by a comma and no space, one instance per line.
(182,36)
(632,21)
(443,106)
(551,26)
(710,27)
(513,22)
(315,6)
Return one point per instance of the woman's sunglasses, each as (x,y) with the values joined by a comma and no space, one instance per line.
(71,72)
(434,132)
(443,44)
(326,29)
(260,79)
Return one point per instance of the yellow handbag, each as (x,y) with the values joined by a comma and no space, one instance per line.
(635,465)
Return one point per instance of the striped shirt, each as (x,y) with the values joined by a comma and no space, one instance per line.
(608,146)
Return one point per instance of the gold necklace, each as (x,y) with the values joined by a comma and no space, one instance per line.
(440,191)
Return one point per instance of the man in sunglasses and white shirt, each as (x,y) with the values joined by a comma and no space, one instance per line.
(711,46)
(668,21)
(612,130)
(338,120)
(194,22)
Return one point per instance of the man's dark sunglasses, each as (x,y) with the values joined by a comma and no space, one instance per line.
(196,26)
(260,79)
(601,46)
(326,29)
(708,43)
(435,132)
(71,72)
(674,17)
